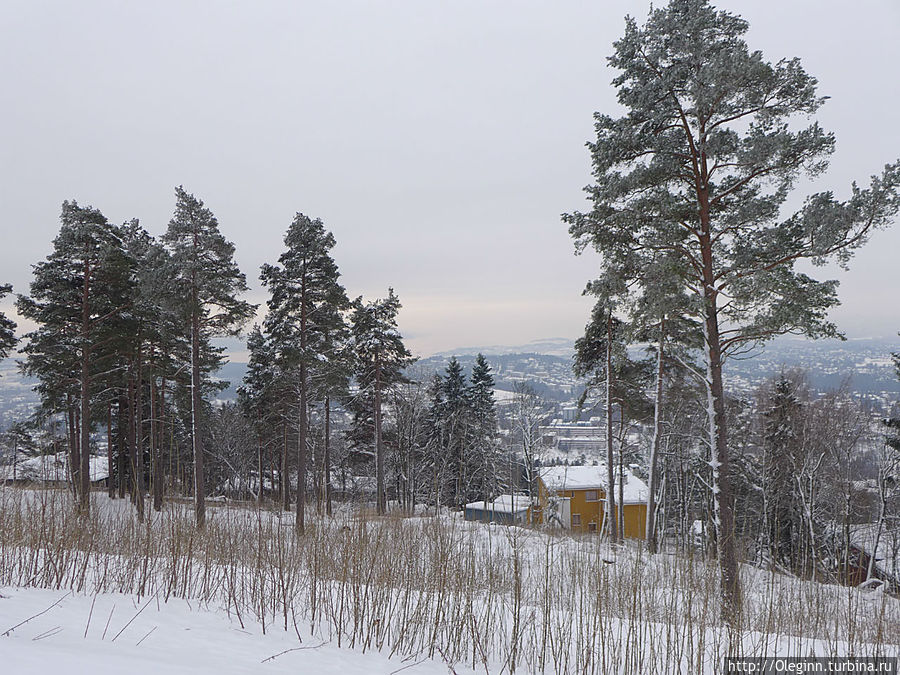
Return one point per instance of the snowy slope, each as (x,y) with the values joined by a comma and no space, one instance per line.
(118,634)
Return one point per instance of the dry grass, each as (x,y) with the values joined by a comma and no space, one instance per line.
(491,597)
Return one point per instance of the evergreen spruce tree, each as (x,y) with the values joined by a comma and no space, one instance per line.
(305,313)
(380,357)
(450,434)
(456,429)
(699,166)
(206,283)
(256,394)
(483,445)
(781,449)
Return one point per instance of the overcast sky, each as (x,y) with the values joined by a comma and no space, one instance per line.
(439,141)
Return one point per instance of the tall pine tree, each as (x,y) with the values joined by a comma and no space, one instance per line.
(75,297)
(699,166)
(305,313)
(380,357)
(206,282)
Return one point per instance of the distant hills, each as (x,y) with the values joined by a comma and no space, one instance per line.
(864,363)
(563,347)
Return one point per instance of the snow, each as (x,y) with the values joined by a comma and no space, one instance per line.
(146,635)
(502,396)
(558,478)
(606,605)
(863,536)
(52,467)
(503,504)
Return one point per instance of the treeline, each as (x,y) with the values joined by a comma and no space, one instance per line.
(816,474)
(123,341)
(124,350)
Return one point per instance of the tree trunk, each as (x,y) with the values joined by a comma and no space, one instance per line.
(301,453)
(730,588)
(110,488)
(137,495)
(196,406)
(273,462)
(327,458)
(381,505)
(719,461)
(611,519)
(259,469)
(285,483)
(122,444)
(653,477)
(74,455)
(158,473)
(84,490)
(154,440)
(139,436)
(622,475)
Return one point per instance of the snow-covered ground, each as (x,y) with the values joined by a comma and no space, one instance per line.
(58,631)
(358,593)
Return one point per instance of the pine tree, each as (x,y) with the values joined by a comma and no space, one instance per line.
(661,317)
(7,327)
(150,350)
(305,313)
(599,354)
(76,295)
(330,383)
(207,282)
(699,167)
(380,358)
(167,350)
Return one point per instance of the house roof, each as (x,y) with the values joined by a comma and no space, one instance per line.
(503,504)
(557,478)
(52,467)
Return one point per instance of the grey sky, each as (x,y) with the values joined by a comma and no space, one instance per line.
(439,141)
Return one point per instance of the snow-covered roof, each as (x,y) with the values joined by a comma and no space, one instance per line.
(863,535)
(52,467)
(503,504)
(593,477)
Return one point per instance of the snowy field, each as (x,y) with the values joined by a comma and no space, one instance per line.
(116,633)
(358,593)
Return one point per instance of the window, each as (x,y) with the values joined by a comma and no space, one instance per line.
(576,519)
(592,527)
(591,496)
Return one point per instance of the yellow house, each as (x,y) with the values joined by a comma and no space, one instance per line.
(574,497)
